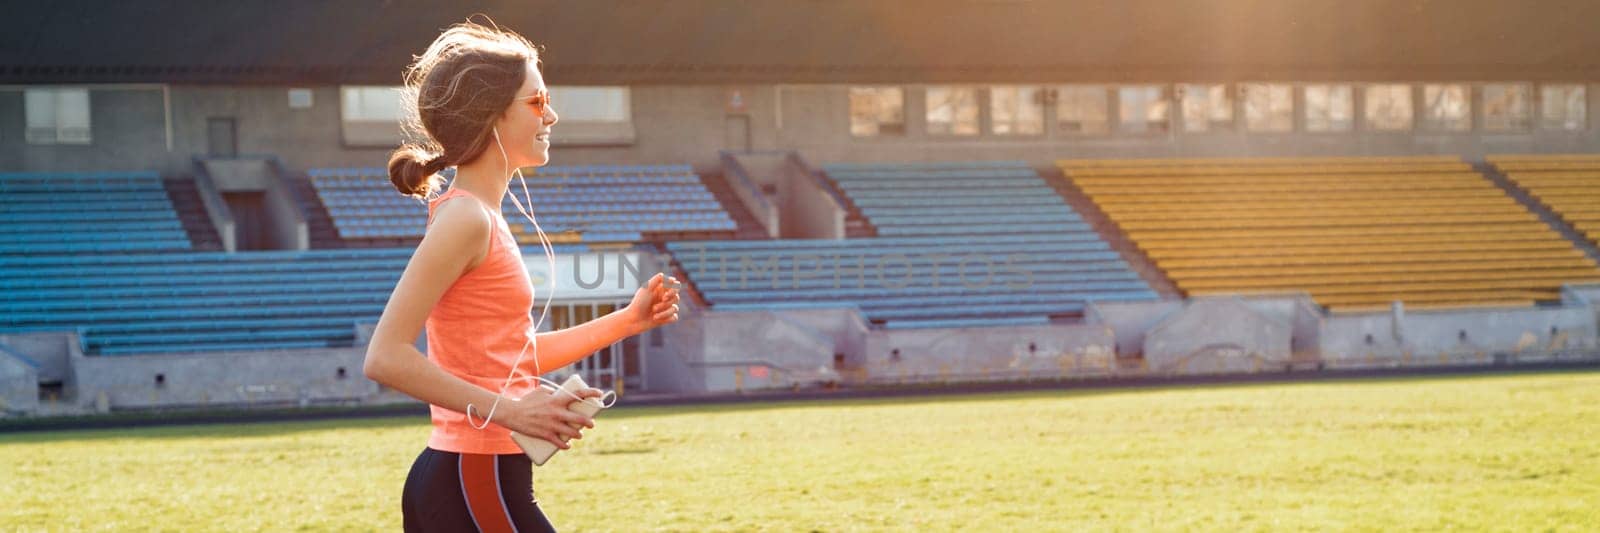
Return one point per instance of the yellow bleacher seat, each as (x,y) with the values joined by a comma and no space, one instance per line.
(1571,266)
(1540,158)
(1292,196)
(1317,222)
(1531,240)
(1375,257)
(1328,213)
(1567,184)
(1435,297)
(1384,307)
(1316,248)
(1309,170)
(1469,279)
(1374,188)
(526,236)
(1257,205)
(1256,161)
(1354,232)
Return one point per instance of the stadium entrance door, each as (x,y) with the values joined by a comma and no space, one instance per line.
(611,366)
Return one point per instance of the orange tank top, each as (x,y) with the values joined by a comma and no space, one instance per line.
(476,331)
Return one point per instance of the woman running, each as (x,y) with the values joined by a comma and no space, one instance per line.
(478,102)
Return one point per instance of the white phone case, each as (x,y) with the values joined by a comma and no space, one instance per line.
(541,450)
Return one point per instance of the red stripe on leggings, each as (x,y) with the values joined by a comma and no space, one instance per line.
(481,486)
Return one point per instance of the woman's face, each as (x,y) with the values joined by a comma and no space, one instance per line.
(525,126)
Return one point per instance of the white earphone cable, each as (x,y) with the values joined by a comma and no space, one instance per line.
(515,374)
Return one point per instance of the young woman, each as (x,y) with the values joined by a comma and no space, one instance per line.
(481,106)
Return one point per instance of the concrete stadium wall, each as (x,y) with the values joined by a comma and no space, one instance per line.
(1217,336)
(809,211)
(682,124)
(815,121)
(1416,338)
(717,352)
(19,384)
(671,351)
(747,350)
(296,377)
(989,353)
(1129,321)
(127,132)
(1136,323)
(51,351)
(791,351)
(1581,294)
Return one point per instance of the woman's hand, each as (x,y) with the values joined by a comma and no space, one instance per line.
(654,304)
(543,414)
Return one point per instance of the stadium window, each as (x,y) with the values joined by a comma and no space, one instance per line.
(595,115)
(1563,107)
(1388,107)
(876,111)
(1144,109)
(1016,110)
(1329,108)
(1506,107)
(1082,110)
(952,111)
(1206,107)
(371,103)
(56,116)
(1446,107)
(1268,107)
(300,98)
(370,115)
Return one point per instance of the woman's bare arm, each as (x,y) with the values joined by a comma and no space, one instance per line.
(653,304)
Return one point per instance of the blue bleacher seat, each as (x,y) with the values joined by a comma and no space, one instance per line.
(604,202)
(199,301)
(70,213)
(974,211)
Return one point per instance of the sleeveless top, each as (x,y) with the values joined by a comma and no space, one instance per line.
(476,331)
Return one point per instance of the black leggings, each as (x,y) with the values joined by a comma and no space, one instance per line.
(448,491)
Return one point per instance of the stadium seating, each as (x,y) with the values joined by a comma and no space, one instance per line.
(201,301)
(68,213)
(966,199)
(1567,184)
(143,303)
(1356,233)
(587,204)
(942,227)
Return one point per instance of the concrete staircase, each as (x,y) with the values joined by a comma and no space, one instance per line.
(319,224)
(856,224)
(185,197)
(1533,205)
(749,227)
(1111,233)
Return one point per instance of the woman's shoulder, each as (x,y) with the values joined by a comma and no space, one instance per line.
(460,219)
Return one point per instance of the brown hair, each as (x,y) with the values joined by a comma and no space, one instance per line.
(453,94)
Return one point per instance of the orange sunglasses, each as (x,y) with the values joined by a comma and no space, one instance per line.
(539,100)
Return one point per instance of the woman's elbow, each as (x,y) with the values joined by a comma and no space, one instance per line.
(374,366)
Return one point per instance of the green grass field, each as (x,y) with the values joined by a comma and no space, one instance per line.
(1504,452)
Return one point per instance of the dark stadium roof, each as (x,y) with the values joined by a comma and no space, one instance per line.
(807,41)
